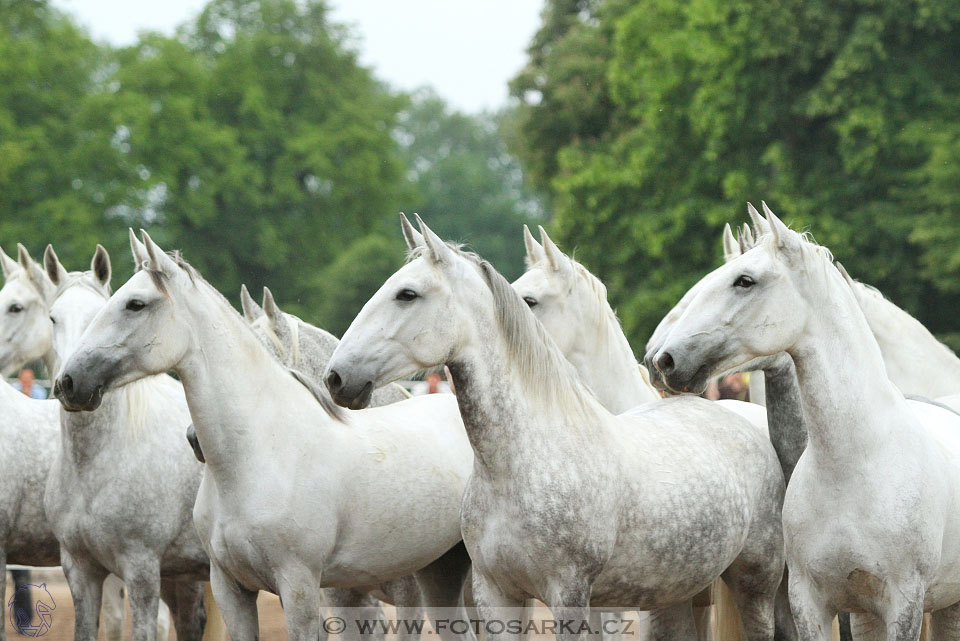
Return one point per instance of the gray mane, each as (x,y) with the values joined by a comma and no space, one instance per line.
(530,349)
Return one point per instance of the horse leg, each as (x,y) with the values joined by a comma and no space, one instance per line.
(22,600)
(141,573)
(300,597)
(702,604)
(676,622)
(441,585)
(495,608)
(785,629)
(238,605)
(405,595)
(3,590)
(85,579)
(867,627)
(163,621)
(843,623)
(570,605)
(904,617)
(945,623)
(812,616)
(754,592)
(610,625)
(359,609)
(111,610)
(185,599)
(215,629)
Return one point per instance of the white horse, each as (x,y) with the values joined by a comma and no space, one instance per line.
(572,305)
(31,435)
(568,503)
(122,485)
(28,438)
(293,498)
(915,361)
(872,512)
(300,345)
(307,349)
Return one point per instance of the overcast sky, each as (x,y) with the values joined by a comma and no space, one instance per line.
(467,50)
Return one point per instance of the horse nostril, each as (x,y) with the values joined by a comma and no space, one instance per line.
(665,363)
(334,382)
(66,384)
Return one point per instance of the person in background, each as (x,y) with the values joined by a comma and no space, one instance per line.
(25,383)
(433,384)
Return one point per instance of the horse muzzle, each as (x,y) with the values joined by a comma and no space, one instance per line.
(75,397)
(354,395)
(678,372)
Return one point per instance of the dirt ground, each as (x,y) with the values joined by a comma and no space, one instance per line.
(272,625)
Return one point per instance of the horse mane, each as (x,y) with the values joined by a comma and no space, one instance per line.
(333,410)
(530,349)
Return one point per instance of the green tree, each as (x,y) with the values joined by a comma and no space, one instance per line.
(256,143)
(469,188)
(838,114)
(52,171)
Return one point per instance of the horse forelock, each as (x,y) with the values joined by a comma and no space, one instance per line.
(87,280)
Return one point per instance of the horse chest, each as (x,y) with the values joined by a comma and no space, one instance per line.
(528,538)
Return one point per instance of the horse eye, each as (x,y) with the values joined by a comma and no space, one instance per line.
(406,294)
(15,308)
(53,320)
(530,301)
(744,281)
(135,305)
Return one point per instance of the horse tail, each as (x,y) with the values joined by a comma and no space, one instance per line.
(726,617)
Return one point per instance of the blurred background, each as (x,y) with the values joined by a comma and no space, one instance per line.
(274,141)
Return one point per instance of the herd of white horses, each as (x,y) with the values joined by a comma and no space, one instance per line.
(557,472)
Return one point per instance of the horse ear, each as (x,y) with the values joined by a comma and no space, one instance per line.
(270,307)
(158,259)
(759,224)
(138,250)
(439,251)
(412,236)
(55,271)
(534,249)
(8,264)
(558,261)
(100,265)
(731,249)
(34,272)
(251,311)
(749,239)
(782,236)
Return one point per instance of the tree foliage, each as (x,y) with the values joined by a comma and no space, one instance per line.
(253,140)
(839,114)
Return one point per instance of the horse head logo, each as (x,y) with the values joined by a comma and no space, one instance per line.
(22,619)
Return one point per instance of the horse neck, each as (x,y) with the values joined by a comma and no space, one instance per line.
(848,401)
(910,351)
(606,363)
(227,374)
(84,435)
(785,420)
(510,417)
